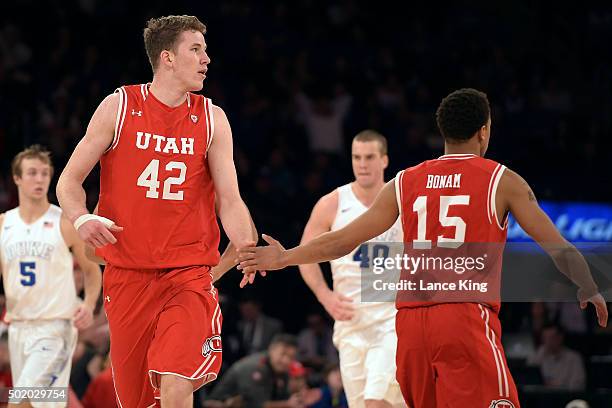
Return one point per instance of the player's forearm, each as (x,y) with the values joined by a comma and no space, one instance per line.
(71,197)
(93,284)
(227,262)
(237,223)
(573,265)
(313,276)
(328,246)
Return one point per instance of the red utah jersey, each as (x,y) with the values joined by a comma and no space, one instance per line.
(447,208)
(156,184)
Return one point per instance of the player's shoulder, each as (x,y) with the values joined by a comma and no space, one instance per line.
(329,201)
(218,112)
(109,105)
(326,207)
(511,180)
(1,219)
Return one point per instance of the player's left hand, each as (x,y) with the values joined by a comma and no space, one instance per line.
(248,279)
(83,317)
(268,258)
(601,308)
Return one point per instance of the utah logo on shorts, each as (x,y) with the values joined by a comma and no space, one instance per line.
(502,403)
(211,344)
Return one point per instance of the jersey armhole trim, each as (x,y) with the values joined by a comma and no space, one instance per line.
(398,191)
(492,206)
(121,110)
(210,123)
(338,206)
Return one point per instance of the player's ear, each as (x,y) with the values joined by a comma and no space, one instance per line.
(166,57)
(482,133)
(385,161)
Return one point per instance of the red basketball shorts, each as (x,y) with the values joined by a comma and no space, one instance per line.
(163,321)
(450,355)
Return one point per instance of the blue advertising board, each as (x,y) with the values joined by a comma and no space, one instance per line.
(578,222)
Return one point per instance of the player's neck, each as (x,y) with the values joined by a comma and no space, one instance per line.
(368,194)
(167,92)
(462,148)
(30,210)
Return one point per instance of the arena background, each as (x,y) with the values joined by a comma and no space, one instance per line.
(546,67)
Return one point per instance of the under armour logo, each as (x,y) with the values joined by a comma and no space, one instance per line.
(108,299)
(194,118)
(135,112)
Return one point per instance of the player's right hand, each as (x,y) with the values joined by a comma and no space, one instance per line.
(601,308)
(339,307)
(94,233)
(268,258)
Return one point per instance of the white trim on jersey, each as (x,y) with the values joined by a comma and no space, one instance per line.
(216,318)
(119,119)
(114,386)
(188,100)
(494,193)
(144,91)
(205,365)
(120,128)
(502,377)
(491,194)
(199,377)
(212,117)
(457,156)
(112,369)
(210,124)
(398,190)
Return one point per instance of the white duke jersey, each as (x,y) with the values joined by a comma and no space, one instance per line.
(37,268)
(347,271)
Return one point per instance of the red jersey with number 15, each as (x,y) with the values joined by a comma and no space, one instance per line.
(448,212)
(156,184)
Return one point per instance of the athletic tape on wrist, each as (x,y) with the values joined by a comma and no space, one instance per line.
(88,217)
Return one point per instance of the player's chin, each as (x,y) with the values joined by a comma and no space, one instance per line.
(197,85)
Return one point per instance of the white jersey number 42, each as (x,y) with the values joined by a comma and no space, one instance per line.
(149,178)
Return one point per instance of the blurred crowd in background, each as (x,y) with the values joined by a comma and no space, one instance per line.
(298,80)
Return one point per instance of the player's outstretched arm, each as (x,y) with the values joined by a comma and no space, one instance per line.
(320,222)
(229,258)
(515,195)
(70,192)
(91,273)
(331,245)
(231,209)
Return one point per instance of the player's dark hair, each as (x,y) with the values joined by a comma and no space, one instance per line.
(162,34)
(369,135)
(462,113)
(284,339)
(32,152)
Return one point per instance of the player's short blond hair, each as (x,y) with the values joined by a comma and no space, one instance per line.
(162,34)
(370,135)
(32,152)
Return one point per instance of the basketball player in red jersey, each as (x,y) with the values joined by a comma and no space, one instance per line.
(165,156)
(449,354)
